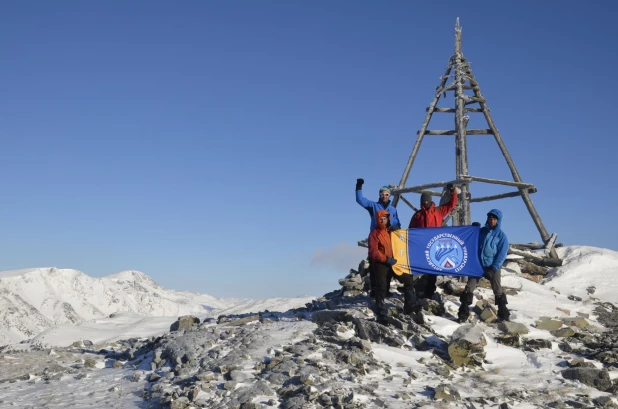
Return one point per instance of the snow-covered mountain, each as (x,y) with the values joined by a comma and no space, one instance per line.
(33,300)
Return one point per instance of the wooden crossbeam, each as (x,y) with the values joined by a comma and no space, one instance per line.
(501,196)
(454,132)
(453,110)
(421,188)
(499,182)
(406,201)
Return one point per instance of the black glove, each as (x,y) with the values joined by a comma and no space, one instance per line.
(450,187)
(490,270)
(391,261)
(359,183)
(395,227)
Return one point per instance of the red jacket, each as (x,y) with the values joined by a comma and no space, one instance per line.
(434,216)
(380,241)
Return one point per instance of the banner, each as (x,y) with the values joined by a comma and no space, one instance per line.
(451,251)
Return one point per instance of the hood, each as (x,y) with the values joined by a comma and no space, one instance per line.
(497,213)
(379,214)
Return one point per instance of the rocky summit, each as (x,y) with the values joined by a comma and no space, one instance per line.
(332,353)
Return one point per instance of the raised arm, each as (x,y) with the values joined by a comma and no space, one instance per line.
(446,208)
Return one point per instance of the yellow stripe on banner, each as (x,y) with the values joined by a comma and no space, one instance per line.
(399,243)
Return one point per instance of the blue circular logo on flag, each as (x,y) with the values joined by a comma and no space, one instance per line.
(446,252)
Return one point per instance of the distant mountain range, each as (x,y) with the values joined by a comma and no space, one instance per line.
(33,300)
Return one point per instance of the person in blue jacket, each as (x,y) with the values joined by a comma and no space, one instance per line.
(372,207)
(493,247)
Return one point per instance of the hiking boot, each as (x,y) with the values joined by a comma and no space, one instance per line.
(463,314)
(380,310)
(503,312)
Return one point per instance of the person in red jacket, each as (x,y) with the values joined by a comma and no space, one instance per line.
(381,252)
(431,216)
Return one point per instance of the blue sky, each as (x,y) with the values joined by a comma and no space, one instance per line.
(215,145)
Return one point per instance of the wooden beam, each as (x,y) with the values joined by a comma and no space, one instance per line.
(454,132)
(420,188)
(550,244)
(536,259)
(419,139)
(499,182)
(502,196)
(406,201)
(452,110)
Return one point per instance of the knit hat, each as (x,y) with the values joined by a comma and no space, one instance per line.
(388,189)
(426,197)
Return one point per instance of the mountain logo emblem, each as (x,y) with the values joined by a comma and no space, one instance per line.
(447,252)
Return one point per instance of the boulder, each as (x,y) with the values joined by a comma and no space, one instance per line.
(467,346)
(548,324)
(597,378)
(184,323)
(513,328)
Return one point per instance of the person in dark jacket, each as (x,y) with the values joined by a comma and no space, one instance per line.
(381,252)
(372,207)
(493,247)
(430,215)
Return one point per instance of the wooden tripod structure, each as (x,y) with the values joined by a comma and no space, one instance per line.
(458,70)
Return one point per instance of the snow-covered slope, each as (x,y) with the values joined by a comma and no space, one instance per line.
(33,300)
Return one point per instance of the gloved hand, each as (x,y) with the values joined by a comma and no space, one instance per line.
(450,187)
(359,183)
(391,261)
(395,227)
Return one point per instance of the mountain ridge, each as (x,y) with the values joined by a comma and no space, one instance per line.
(34,299)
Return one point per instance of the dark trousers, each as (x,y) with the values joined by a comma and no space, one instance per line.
(494,277)
(381,274)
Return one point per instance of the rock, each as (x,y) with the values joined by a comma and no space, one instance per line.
(563,332)
(578,322)
(509,340)
(513,328)
(433,307)
(238,376)
(597,378)
(250,405)
(185,322)
(324,316)
(538,343)
(548,324)
(153,377)
(446,392)
(574,298)
(564,311)
(236,322)
(531,268)
(591,289)
(604,401)
(374,332)
(180,403)
(488,315)
(89,363)
(467,346)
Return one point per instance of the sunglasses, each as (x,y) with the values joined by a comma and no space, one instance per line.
(492,217)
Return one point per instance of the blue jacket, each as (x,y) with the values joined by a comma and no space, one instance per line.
(493,244)
(373,207)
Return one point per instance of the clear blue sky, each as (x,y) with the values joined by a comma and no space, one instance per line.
(215,145)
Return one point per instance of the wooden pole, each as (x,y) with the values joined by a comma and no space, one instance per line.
(461,121)
(524,192)
(419,139)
